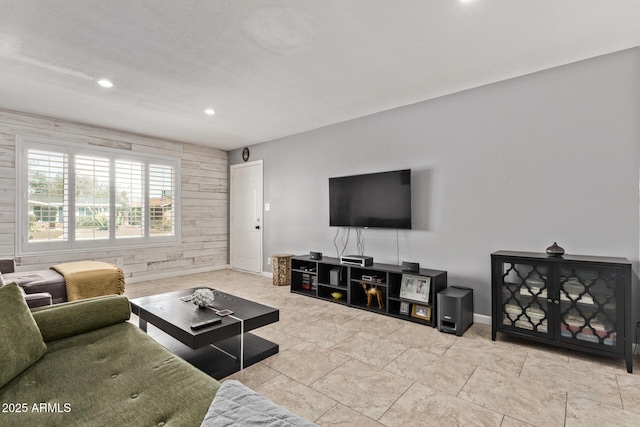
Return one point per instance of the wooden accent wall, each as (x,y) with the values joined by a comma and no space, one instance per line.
(203,197)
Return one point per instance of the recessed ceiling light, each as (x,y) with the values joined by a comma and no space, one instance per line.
(209,111)
(105,83)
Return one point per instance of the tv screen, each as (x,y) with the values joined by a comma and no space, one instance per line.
(373,200)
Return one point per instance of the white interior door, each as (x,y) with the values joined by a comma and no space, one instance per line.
(246,216)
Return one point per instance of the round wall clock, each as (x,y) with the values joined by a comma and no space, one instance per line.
(245,154)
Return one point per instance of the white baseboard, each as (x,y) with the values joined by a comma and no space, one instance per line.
(477,318)
(482,319)
(175,273)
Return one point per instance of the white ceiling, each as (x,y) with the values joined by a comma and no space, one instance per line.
(273,68)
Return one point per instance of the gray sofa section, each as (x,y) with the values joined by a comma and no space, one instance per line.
(236,405)
(34,282)
(43,287)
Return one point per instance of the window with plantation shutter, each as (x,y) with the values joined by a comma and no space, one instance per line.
(161,212)
(92,181)
(130,200)
(73,198)
(47,194)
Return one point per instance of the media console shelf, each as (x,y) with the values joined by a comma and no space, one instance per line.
(314,278)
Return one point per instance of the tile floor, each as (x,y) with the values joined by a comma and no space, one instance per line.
(341,366)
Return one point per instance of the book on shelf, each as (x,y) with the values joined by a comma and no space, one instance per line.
(564,296)
(524,323)
(531,318)
(576,323)
(531,312)
(533,292)
(309,282)
(513,309)
(586,334)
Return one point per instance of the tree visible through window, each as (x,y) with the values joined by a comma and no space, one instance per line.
(130,201)
(161,183)
(92,180)
(74,197)
(47,191)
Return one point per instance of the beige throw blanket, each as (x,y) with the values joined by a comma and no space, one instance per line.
(86,279)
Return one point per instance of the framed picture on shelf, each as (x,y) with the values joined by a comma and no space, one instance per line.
(404,307)
(415,288)
(421,312)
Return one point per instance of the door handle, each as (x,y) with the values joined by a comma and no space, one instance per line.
(257,227)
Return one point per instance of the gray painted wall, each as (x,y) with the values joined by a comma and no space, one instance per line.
(515,165)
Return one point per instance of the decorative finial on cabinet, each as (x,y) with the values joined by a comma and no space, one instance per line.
(555,250)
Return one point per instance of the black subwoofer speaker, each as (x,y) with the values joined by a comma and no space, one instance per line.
(455,310)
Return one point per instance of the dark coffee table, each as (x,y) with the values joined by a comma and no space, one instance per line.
(218,350)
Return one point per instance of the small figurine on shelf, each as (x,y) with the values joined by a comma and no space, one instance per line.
(371,292)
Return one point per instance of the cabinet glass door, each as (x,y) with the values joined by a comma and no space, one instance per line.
(588,312)
(524,305)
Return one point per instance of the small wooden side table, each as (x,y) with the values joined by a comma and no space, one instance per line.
(281,264)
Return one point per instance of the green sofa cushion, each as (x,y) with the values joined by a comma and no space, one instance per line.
(112,376)
(21,343)
(72,318)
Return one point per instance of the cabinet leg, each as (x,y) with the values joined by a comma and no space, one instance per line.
(629,359)
(493,334)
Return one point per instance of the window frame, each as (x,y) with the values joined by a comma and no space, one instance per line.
(23,244)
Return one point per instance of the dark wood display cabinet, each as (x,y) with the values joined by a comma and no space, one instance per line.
(322,278)
(577,302)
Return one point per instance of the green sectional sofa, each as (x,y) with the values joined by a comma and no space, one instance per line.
(83,363)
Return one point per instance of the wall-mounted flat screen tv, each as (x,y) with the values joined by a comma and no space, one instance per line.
(373,200)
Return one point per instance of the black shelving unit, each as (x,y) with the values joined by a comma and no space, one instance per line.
(386,277)
(577,302)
